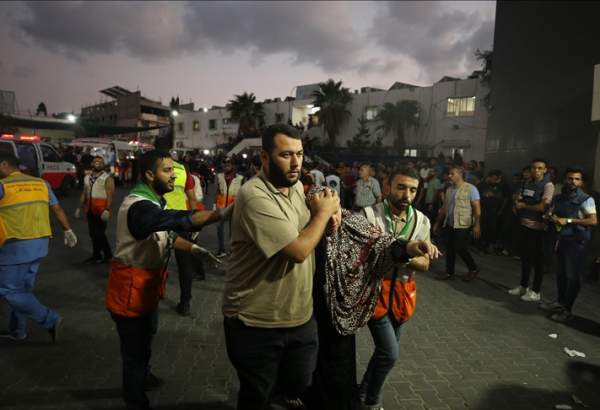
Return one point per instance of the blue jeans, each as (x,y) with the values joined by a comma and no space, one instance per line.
(16,286)
(571,260)
(386,335)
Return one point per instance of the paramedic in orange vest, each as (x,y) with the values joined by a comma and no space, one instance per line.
(95,203)
(397,298)
(25,202)
(229,183)
(146,232)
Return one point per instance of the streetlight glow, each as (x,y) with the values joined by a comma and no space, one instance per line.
(205,109)
(71,118)
(206,152)
(174,113)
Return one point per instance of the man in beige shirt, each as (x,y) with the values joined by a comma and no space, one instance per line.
(270,331)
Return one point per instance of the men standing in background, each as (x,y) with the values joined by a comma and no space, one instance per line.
(23,244)
(460,214)
(367,191)
(229,183)
(531,202)
(95,202)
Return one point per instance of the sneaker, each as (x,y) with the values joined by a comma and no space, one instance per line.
(152,382)
(562,317)
(518,291)
(183,309)
(531,296)
(552,306)
(221,254)
(12,336)
(471,275)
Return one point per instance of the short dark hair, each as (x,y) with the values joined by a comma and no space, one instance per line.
(10,158)
(458,167)
(576,170)
(495,173)
(268,136)
(149,161)
(539,160)
(404,171)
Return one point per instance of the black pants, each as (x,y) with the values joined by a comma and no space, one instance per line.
(271,360)
(532,256)
(187,266)
(97,228)
(571,260)
(136,335)
(457,242)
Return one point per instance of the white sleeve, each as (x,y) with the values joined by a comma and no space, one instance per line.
(589,206)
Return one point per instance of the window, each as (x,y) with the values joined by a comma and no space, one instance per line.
(371,113)
(278,117)
(6,148)
(462,106)
(27,158)
(196,125)
(49,154)
(226,121)
(410,152)
(212,124)
(180,126)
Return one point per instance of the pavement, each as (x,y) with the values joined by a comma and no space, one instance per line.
(468,345)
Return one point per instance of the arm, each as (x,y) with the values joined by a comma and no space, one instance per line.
(181,244)
(441,217)
(110,190)
(61,217)
(539,207)
(191,196)
(588,220)
(476,207)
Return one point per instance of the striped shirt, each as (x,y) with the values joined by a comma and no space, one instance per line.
(366,192)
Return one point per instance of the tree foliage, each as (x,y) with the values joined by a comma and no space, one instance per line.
(397,119)
(360,140)
(248,114)
(332,100)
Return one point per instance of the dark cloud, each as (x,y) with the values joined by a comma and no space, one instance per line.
(23,72)
(378,65)
(440,39)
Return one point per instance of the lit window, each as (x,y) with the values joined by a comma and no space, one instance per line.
(212,124)
(462,106)
(371,113)
(410,152)
(196,125)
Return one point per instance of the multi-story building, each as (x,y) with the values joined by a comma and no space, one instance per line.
(542,82)
(129,109)
(452,118)
(7,102)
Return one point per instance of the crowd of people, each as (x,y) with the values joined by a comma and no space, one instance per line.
(316,252)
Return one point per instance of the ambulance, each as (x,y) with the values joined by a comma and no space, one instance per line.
(41,160)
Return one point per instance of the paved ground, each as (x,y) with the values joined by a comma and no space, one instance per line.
(467,346)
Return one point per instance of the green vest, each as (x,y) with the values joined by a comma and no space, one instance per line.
(177,199)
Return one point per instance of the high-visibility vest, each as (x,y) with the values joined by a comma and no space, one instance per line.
(226,193)
(177,199)
(138,274)
(24,212)
(95,193)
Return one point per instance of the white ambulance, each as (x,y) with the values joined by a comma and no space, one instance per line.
(41,160)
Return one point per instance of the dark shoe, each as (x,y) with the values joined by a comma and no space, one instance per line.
(54,331)
(106,259)
(153,383)
(92,260)
(444,276)
(471,275)
(553,306)
(183,309)
(562,317)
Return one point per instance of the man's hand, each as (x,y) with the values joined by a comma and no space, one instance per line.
(477,231)
(70,238)
(78,213)
(422,248)
(326,203)
(200,251)
(105,215)
(561,221)
(519,205)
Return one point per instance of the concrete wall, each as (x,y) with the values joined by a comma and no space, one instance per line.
(543,65)
(436,133)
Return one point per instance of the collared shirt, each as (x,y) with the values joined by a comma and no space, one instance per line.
(16,252)
(264,288)
(366,192)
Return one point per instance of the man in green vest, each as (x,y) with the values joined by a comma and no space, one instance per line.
(183,198)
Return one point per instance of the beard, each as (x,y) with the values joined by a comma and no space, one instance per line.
(279,178)
(400,204)
(161,187)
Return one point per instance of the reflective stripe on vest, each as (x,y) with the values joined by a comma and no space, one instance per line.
(24,212)
(177,198)
(227,193)
(96,193)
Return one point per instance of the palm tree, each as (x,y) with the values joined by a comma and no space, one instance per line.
(397,118)
(332,99)
(248,113)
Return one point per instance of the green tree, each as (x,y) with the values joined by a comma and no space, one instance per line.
(397,118)
(247,113)
(360,140)
(332,99)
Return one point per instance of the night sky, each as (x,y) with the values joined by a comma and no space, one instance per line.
(62,53)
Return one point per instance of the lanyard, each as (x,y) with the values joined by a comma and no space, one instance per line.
(392,226)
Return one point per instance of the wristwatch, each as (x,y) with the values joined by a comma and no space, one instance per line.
(569,221)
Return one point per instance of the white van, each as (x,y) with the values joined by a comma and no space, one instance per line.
(41,160)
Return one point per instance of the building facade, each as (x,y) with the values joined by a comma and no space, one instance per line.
(452,118)
(8,102)
(542,81)
(129,109)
